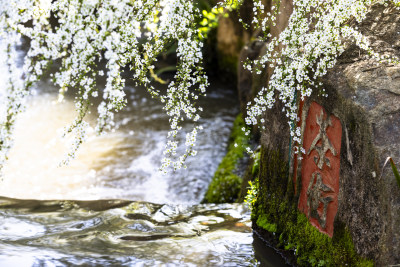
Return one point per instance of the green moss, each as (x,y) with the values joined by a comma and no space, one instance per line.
(225,185)
(276,211)
(223,189)
(255,168)
(262,221)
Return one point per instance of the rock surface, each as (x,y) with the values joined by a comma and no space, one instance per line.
(369,105)
(365,97)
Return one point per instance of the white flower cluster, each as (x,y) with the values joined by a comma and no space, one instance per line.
(132,34)
(124,34)
(16,86)
(316,35)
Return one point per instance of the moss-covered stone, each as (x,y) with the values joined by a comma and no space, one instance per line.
(225,185)
(276,212)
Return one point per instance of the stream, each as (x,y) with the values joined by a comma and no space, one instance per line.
(111,206)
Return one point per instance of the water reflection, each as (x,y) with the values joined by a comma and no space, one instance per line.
(115,232)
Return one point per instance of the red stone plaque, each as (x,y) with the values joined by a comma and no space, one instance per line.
(320,168)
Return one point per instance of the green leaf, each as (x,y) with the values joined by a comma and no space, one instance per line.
(204,22)
(211,16)
(395,171)
(166,69)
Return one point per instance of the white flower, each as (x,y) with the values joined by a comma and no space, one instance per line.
(132,34)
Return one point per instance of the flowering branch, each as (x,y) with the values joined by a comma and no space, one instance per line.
(133,33)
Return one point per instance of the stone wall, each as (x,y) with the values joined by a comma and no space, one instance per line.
(368,103)
(339,186)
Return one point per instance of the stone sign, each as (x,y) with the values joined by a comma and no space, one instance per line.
(320,168)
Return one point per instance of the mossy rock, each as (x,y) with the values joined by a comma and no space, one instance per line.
(275,211)
(226,184)
(294,232)
(224,189)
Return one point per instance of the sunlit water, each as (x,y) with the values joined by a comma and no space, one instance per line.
(52,228)
(121,164)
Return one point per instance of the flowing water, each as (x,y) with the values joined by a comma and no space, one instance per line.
(110,206)
(121,164)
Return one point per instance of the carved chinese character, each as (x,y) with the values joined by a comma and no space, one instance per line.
(320,168)
(315,196)
(325,143)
